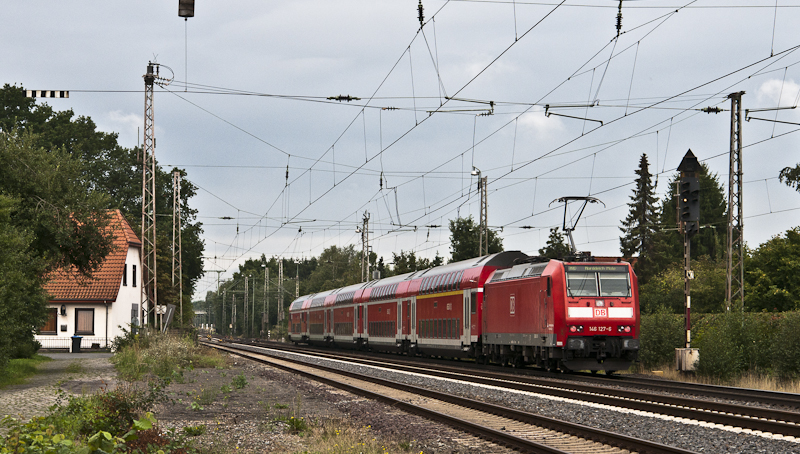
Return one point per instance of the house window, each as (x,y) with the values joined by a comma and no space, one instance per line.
(125,275)
(50,325)
(84,321)
(133,270)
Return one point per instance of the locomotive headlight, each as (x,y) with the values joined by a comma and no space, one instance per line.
(599,303)
(576,328)
(575,344)
(624,329)
(630,344)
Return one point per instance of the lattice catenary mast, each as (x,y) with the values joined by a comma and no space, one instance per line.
(735,253)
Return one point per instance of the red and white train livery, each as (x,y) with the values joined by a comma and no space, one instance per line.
(507,308)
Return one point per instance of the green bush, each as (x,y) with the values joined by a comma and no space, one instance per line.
(786,347)
(161,355)
(660,334)
(733,343)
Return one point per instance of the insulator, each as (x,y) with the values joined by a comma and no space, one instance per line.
(421,15)
(287,173)
(381,180)
(619,18)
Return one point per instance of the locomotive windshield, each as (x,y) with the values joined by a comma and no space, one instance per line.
(598,280)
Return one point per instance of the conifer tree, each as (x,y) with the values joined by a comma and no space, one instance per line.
(556,247)
(639,227)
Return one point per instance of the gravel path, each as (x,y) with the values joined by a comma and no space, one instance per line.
(73,372)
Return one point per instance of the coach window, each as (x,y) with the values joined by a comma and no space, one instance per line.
(451,280)
(84,321)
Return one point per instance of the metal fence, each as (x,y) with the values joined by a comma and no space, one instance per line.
(65,343)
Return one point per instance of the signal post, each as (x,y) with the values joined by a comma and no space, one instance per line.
(689,222)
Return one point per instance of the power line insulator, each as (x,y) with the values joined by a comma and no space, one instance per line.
(420,14)
(341,98)
(619,18)
(710,110)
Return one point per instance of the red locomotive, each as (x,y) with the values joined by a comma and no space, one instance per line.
(506,308)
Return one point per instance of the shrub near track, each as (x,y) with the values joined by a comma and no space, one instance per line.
(732,345)
(162,355)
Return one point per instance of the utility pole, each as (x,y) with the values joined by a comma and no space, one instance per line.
(735,253)
(149,288)
(483,240)
(244,326)
(364,230)
(177,259)
(280,290)
(225,327)
(265,309)
(233,315)
(297,282)
(223,300)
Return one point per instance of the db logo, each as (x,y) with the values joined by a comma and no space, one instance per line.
(600,312)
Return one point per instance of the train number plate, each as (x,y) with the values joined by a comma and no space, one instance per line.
(601,329)
(600,312)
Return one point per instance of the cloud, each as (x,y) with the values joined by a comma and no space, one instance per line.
(540,126)
(124,124)
(770,90)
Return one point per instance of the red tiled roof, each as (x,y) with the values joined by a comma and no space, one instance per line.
(65,284)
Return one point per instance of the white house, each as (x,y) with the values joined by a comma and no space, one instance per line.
(96,308)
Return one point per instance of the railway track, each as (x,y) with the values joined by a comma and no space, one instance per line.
(749,396)
(514,429)
(748,418)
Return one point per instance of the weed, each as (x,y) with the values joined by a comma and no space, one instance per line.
(75,367)
(194,431)
(207,396)
(239,381)
(294,425)
(195,406)
(281,406)
(225,389)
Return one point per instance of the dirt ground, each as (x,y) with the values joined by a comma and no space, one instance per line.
(249,419)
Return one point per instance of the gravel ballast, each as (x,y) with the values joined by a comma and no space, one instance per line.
(671,431)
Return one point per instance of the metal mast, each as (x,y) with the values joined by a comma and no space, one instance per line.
(735,253)
(177,259)
(149,287)
(280,290)
(245,328)
(483,246)
(364,248)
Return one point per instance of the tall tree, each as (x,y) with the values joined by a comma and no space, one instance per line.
(465,239)
(48,219)
(639,226)
(772,274)
(791,176)
(104,167)
(556,247)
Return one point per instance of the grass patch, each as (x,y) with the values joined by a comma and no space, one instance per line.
(750,380)
(75,367)
(19,369)
(339,437)
(163,355)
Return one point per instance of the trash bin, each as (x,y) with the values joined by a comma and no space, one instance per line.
(76,344)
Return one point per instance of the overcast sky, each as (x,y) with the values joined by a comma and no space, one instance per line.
(251,80)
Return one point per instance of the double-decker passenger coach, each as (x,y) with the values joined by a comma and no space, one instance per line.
(506,308)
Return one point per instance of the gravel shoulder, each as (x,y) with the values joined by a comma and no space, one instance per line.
(246,419)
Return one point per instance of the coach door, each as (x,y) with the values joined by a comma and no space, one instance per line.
(406,318)
(400,318)
(465,339)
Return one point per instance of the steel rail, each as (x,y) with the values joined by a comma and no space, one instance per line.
(610,438)
(754,418)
